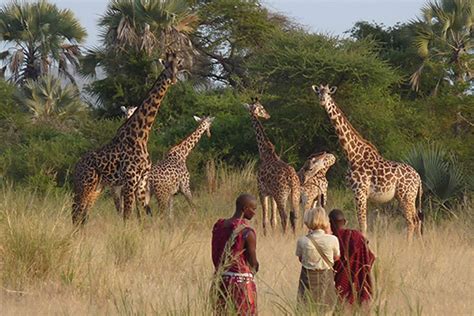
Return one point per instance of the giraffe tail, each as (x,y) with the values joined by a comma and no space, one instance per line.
(420,214)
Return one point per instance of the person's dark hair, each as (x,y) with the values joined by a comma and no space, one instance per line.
(336,215)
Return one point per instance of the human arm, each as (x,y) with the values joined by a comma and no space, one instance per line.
(336,249)
(299,251)
(251,250)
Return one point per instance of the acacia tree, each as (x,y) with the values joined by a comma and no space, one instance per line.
(41,36)
(444,39)
(230,32)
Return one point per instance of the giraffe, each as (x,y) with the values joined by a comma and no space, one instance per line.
(171,174)
(314,184)
(124,161)
(276,180)
(370,176)
(116,190)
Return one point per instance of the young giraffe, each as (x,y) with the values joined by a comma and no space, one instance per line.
(276,180)
(171,174)
(370,175)
(124,161)
(314,184)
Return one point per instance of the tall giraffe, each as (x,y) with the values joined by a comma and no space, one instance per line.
(171,174)
(123,162)
(275,178)
(370,175)
(116,191)
(314,184)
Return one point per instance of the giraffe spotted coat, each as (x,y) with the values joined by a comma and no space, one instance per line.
(171,174)
(123,162)
(277,181)
(313,181)
(370,175)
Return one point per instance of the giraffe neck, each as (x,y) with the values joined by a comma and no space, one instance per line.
(138,126)
(186,146)
(265,146)
(352,142)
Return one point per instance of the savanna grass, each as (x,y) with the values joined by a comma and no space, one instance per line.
(162,266)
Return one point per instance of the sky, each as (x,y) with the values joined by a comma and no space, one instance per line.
(325,16)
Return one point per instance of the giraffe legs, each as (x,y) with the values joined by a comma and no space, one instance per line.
(188,195)
(281,205)
(294,204)
(87,189)
(264,200)
(128,194)
(170,206)
(408,207)
(117,196)
(273,214)
(143,196)
(361,203)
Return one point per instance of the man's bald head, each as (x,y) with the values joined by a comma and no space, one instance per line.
(245,206)
(244,200)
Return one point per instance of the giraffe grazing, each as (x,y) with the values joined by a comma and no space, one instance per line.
(314,184)
(370,175)
(123,162)
(171,174)
(276,180)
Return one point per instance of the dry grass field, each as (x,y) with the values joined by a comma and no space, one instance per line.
(163,267)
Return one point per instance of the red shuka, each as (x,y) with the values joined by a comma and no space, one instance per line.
(240,289)
(352,278)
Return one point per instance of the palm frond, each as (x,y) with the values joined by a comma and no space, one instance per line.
(438,171)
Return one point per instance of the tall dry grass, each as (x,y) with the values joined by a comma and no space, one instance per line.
(163,267)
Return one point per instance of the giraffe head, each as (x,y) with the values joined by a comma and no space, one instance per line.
(324,92)
(319,162)
(257,109)
(205,123)
(172,66)
(128,111)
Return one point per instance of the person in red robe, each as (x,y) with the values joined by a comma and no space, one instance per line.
(235,260)
(352,277)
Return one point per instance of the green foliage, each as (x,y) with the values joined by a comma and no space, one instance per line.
(48,100)
(293,61)
(134,34)
(40,33)
(231,32)
(441,176)
(444,38)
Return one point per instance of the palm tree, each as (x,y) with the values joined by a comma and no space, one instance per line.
(41,36)
(48,100)
(442,178)
(444,36)
(134,34)
(149,25)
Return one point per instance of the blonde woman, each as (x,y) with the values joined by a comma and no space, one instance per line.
(317,252)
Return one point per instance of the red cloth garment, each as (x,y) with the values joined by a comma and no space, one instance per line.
(352,277)
(234,281)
